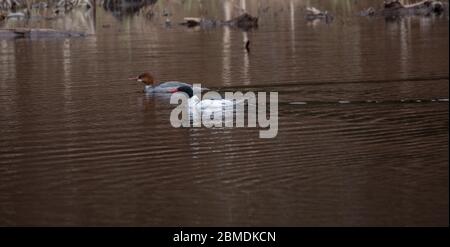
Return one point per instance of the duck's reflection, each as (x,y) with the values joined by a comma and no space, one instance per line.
(292,20)
(121,8)
(245,39)
(226,44)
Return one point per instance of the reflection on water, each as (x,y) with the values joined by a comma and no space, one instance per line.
(120,8)
(81,145)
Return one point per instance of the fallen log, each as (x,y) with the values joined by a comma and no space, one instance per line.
(37,33)
(392,8)
(244,21)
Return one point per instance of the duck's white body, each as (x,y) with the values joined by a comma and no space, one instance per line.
(209,107)
(165,87)
(209,104)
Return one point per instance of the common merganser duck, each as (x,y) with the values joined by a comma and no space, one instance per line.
(209,105)
(152,87)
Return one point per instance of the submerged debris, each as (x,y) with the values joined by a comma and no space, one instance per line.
(393,8)
(313,13)
(244,21)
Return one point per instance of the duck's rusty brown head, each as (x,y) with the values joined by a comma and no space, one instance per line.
(145,78)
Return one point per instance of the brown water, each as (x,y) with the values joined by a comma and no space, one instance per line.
(81,145)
